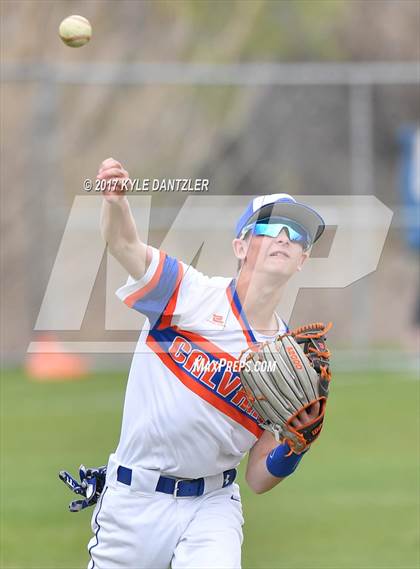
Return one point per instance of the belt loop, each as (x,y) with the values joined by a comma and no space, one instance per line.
(201,487)
(229,477)
(124,475)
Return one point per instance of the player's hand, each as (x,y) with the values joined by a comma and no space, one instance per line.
(307,415)
(91,485)
(112,171)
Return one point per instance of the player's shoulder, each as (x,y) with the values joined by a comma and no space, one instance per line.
(198,279)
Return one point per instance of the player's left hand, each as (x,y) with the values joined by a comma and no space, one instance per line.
(291,401)
(91,485)
(307,415)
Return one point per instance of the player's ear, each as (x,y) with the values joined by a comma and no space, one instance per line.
(240,248)
(302,260)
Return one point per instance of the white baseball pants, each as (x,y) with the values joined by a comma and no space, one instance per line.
(140,530)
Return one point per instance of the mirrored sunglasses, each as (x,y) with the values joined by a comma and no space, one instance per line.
(272,228)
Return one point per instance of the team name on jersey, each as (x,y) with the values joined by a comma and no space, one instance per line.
(218,373)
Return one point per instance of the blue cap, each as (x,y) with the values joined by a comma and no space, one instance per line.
(282,205)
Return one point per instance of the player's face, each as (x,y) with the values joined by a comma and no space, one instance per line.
(273,255)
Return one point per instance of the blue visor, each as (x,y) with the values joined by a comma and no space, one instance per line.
(272,227)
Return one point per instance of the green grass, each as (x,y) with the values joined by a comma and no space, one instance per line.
(352,504)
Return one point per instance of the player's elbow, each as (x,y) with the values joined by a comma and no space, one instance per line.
(132,256)
(119,249)
(256,488)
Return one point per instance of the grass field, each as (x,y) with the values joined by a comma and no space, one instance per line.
(352,504)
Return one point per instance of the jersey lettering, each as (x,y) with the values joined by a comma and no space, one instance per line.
(215,373)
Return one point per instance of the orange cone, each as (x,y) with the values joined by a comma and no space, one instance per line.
(50,363)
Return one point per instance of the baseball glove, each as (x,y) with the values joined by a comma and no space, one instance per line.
(286,376)
(92,482)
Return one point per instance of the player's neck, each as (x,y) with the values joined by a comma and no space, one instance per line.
(259,299)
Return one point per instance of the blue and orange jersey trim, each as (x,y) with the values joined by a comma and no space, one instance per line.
(159,295)
(239,313)
(166,318)
(138,294)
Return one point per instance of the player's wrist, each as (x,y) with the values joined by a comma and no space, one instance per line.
(281,462)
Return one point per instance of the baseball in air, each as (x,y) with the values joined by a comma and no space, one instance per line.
(75,31)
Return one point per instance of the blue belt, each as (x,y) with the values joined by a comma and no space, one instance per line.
(179,488)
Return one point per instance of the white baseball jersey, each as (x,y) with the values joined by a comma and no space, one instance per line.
(185,411)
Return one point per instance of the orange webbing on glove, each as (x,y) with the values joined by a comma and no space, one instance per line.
(312,338)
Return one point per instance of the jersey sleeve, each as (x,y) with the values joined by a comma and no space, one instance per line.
(156,294)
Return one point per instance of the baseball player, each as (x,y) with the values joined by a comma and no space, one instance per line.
(169,498)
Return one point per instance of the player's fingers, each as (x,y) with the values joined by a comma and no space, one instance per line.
(304,416)
(112,173)
(307,415)
(116,167)
(110,163)
(314,409)
(296,422)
